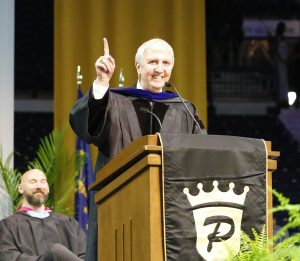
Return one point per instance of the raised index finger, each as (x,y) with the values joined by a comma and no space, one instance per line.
(106,47)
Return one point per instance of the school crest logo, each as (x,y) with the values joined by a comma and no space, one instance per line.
(218,217)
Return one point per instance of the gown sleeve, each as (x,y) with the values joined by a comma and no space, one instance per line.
(80,239)
(89,117)
(8,249)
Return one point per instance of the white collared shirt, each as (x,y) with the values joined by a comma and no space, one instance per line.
(38,214)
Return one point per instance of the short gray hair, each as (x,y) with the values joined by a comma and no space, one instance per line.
(140,51)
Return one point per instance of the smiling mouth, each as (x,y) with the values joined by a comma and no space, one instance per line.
(157,77)
(39,192)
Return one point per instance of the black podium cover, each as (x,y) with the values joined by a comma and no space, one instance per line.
(214,187)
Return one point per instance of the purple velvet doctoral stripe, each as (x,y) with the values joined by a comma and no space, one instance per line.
(144,93)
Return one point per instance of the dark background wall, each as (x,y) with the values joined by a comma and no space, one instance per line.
(34,48)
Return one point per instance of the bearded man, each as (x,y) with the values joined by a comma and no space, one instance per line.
(35,232)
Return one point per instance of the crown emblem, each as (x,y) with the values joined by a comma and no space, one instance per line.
(218,217)
(216,195)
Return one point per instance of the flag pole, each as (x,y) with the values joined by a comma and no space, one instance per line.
(79,77)
(121,78)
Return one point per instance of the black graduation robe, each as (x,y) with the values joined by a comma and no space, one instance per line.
(116,120)
(26,238)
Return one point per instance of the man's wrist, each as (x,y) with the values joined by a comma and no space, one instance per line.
(99,90)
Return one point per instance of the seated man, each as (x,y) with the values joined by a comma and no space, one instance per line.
(37,233)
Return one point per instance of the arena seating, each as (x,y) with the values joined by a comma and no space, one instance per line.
(30,127)
(268,127)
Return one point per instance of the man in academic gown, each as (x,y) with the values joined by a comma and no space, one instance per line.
(113,118)
(37,233)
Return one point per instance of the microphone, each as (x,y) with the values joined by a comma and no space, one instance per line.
(168,84)
(146,110)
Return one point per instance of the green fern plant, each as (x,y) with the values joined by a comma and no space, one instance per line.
(257,248)
(11,178)
(46,160)
(291,244)
(251,249)
(60,167)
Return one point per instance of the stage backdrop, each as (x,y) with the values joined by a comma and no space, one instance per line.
(81,25)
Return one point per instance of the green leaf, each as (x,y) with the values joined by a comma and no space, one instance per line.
(61,168)
(11,179)
(57,163)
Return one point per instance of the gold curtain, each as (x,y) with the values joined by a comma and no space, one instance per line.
(80,26)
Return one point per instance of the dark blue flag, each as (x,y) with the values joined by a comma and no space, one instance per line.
(83,180)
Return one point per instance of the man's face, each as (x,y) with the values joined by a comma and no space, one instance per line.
(155,67)
(34,187)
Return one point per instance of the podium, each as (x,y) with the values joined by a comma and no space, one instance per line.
(130,203)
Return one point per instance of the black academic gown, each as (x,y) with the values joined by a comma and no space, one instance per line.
(116,120)
(26,238)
